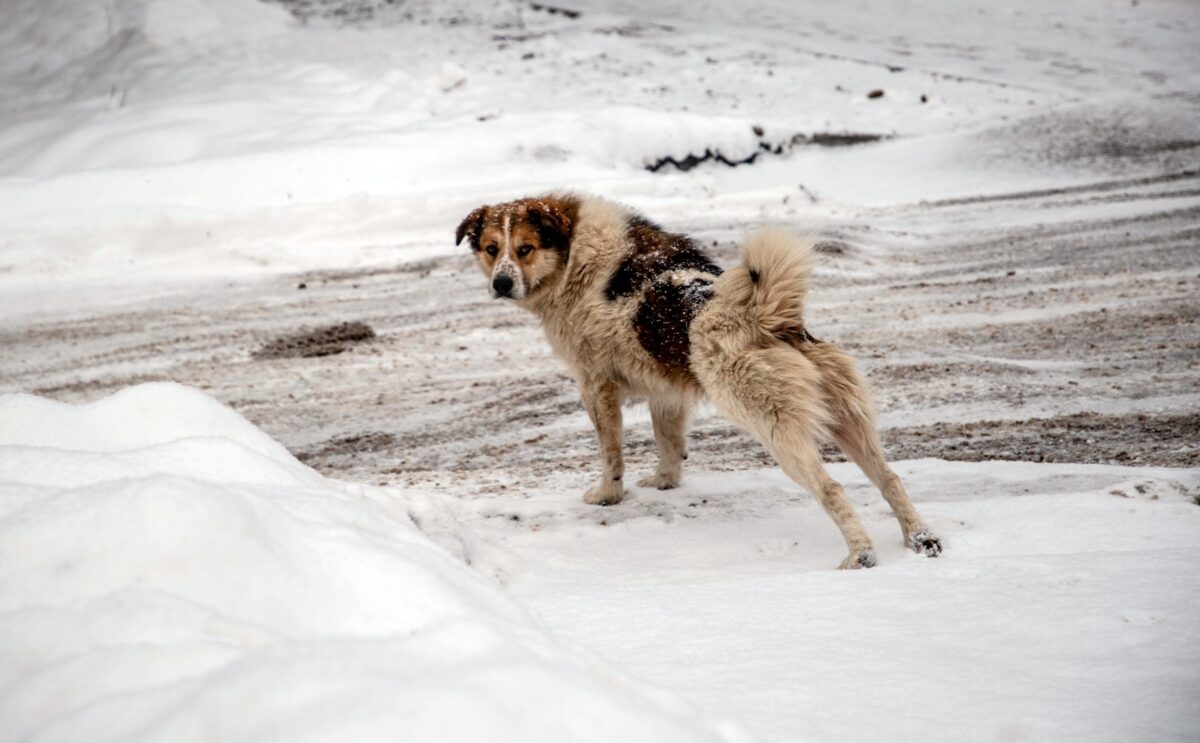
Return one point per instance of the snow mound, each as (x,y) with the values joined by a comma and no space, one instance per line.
(168,572)
(136,417)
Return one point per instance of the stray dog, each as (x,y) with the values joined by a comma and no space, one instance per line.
(634,309)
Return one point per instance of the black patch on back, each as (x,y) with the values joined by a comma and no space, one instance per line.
(655,252)
(664,316)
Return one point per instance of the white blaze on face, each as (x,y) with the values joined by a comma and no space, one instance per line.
(506,264)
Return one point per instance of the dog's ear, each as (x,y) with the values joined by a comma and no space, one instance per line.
(471,227)
(552,224)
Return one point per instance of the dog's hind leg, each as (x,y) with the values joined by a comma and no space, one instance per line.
(801,461)
(775,394)
(853,430)
(602,400)
(857,439)
(670,419)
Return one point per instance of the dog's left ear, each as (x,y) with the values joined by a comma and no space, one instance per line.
(471,227)
(552,224)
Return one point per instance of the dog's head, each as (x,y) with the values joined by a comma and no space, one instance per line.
(520,245)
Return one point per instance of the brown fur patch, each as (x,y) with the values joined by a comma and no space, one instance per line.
(655,251)
(471,227)
(552,218)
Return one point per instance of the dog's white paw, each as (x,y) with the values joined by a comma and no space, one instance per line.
(603,496)
(860,559)
(925,543)
(660,480)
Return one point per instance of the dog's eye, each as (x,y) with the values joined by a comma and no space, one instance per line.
(492,250)
(524,250)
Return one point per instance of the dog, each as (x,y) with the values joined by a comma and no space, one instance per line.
(636,310)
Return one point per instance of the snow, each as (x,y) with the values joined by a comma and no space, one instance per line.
(171,170)
(170,573)
(165,563)
(154,141)
(1053,615)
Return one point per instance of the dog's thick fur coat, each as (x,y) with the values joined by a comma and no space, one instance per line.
(636,310)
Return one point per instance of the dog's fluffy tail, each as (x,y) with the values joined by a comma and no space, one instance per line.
(772,280)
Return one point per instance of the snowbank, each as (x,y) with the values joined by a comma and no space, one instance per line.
(168,572)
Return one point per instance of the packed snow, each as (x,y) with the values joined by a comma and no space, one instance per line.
(395,546)
(1067,615)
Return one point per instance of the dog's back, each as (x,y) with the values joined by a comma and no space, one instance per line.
(627,299)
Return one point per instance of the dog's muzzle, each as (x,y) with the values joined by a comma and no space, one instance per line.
(502,286)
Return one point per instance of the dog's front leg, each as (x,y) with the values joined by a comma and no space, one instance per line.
(670,419)
(602,399)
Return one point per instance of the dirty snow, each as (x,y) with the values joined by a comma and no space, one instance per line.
(187,187)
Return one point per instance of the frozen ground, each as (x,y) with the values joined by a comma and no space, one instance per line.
(189,190)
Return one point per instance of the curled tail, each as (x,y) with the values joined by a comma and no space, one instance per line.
(772,280)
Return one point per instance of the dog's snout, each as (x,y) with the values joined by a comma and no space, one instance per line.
(502,285)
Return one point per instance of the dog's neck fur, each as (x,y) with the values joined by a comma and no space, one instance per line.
(599,222)
(565,301)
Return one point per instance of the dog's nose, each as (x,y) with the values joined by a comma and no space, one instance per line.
(502,285)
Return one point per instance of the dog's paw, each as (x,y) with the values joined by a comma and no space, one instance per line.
(860,559)
(602,496)
(925,543)
(660,480)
